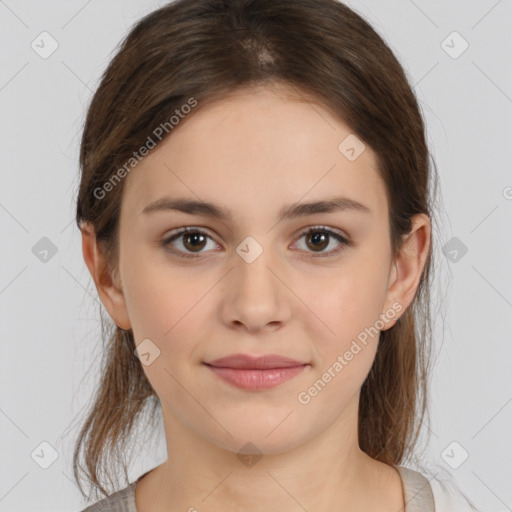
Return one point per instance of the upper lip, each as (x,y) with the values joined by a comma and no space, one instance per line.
(248,362)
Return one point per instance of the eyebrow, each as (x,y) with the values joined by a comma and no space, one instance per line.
(290,211)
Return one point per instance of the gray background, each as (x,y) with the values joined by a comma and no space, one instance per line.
(49,308)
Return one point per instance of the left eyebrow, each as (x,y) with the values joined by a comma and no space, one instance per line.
(290,211)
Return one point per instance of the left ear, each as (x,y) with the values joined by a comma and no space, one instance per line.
(407,267)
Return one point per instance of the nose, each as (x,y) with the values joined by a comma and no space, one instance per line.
(256,297)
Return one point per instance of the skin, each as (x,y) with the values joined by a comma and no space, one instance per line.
(252,153)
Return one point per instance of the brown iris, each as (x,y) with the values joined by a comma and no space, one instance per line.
(197,241)
(316,237)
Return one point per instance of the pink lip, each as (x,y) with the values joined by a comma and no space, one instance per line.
(249,362)
(250,372)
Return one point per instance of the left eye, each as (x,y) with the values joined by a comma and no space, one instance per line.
(317,237)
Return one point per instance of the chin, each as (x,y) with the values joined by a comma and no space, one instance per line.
(256,440)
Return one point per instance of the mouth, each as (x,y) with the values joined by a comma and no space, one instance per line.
(249,362)
(250,372)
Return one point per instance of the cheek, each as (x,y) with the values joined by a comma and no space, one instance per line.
(343,312)
(346,300)
(168,308)
(345,341)
(162,302)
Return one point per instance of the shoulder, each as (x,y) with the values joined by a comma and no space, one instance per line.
(120,501)
(448,496)
(440,485)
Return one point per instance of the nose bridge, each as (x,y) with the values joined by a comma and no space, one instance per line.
(254,260)
(256,296)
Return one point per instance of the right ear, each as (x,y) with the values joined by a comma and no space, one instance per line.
(109,291)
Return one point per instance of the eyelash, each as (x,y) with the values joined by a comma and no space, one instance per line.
(334,252)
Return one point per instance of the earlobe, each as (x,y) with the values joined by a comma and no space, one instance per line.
(110,292)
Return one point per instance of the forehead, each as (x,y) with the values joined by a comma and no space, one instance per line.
(257,148)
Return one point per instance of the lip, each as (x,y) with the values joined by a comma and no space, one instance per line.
(256,372)
(248,362)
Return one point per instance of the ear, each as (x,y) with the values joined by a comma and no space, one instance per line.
(109,289)
(407,267)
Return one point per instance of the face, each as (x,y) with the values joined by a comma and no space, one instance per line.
(253,282)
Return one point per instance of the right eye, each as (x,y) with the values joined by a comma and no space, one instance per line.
(190,238)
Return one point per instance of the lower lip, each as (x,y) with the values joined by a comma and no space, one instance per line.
(257,379)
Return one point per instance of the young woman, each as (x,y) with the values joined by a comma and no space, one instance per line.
(255,213)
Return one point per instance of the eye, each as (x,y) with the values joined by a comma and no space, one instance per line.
(193,240)
(319,237)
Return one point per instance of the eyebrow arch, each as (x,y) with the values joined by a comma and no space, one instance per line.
(290,211)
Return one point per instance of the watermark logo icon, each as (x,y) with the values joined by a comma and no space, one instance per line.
(147,352)
(351,147)
(454,249)
(249,455)
(44,250)
(249,249)
(44,45)
(454,45)
(44,455)
(454,455)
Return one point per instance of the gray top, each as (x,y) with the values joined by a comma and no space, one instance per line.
(417,491)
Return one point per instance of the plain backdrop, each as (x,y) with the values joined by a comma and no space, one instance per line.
(457,56)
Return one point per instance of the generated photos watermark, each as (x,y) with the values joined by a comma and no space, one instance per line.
(305,397)
(159,133)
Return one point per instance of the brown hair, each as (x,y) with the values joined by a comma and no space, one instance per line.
(205,49)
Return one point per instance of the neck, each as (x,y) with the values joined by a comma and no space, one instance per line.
(329,472)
